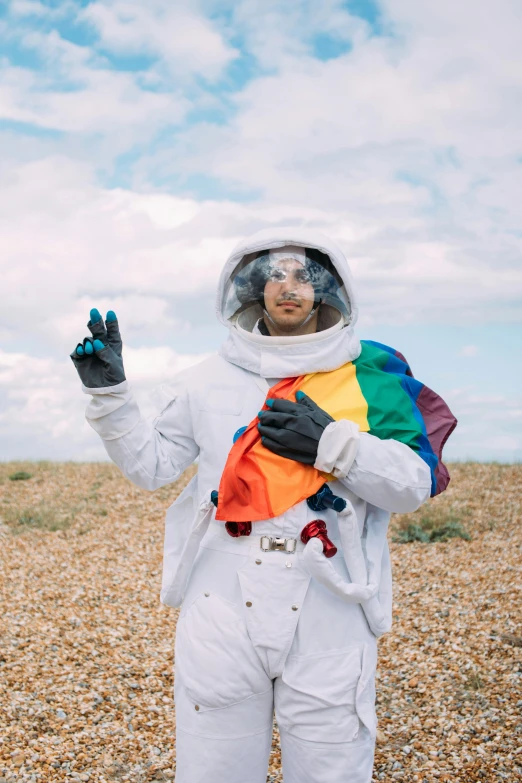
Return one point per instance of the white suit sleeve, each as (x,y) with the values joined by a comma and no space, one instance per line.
(386,473)
(150,454)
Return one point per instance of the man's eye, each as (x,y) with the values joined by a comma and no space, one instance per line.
(277,276)
(302,277)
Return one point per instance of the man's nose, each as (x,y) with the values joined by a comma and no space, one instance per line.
(290,285)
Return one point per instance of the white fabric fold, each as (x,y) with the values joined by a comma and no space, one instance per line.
(113,414)
(320,568)
(117,389)
(382,464)
(173,593)
(338,448)
(320,352)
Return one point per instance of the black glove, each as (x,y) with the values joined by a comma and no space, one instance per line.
(293,429)
(98,360)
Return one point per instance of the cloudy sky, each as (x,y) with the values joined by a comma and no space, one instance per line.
(141,140)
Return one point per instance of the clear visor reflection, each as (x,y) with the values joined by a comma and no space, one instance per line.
(263,280)
(292,272)
(292,276)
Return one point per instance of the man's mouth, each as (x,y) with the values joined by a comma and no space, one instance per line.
(289,303)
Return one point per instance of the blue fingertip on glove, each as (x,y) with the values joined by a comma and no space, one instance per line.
(95,315)
(98,345)
(299,395)
(80,351)
(88,348)
(269,403)
(110,317)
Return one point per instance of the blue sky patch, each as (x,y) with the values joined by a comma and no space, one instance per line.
(29,129)
(367,10)
(328,47)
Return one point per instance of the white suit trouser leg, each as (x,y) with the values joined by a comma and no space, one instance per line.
(242,652)
(225,752)
(225,703)
(319,762)
(227,745)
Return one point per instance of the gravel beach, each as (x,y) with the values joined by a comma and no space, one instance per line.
(86,649)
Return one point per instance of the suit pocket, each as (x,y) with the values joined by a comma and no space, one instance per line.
(215,660)
(317,698)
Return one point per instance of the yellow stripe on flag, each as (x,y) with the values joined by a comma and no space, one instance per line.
(339,394)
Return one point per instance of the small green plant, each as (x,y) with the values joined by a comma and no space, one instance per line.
(452,529)
(432,523)
(20,475)
(411,532)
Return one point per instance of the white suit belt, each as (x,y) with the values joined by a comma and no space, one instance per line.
(318,566)
(271,544)
(360,589)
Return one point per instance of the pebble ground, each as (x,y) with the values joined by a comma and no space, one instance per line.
(86,649)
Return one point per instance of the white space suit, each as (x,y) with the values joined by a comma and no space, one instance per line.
(257,631)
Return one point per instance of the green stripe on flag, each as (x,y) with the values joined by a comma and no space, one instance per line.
(390,413)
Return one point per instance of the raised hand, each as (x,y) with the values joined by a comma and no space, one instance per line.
(98,359)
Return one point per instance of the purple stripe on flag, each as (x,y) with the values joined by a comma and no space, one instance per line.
(399,355)
(440,423)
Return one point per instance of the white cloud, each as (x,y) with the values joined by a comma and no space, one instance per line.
(104,101)
(68,244)
(140,314)
(42,406)
(39,395)
(276,33)
(406,150)
(176,32)
(469,351)
(58,223)
(411,142)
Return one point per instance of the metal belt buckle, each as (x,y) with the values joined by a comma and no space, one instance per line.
(265,543)
(269,544)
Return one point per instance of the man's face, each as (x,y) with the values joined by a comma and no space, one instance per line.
(289,296)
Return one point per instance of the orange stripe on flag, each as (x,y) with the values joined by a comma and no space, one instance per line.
(256,483)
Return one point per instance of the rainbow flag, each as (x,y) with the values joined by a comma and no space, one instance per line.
(378,392)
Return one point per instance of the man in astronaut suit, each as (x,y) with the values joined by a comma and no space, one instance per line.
(257,631)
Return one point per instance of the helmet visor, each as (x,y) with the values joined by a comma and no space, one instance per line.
(291,280)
